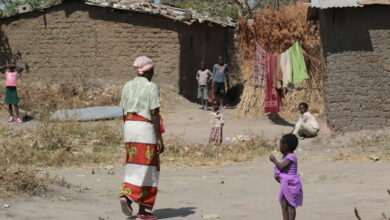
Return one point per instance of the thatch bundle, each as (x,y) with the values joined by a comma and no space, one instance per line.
(276,32)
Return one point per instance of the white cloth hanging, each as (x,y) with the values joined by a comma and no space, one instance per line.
(285,63)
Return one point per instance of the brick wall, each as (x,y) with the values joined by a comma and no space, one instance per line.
(97,45)
(356,51)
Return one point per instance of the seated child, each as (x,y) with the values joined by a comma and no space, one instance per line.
(286,173)
(217,123)
(307,125)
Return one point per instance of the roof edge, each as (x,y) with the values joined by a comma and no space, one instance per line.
(177,14)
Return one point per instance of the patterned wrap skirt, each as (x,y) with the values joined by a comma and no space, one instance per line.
(142,161)
(216,134)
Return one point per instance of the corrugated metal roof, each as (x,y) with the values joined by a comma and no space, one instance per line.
(333,4)
(374,2)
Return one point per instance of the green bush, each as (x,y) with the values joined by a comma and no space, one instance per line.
(35,4)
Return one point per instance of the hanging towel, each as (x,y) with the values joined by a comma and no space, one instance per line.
(260,66)
(299,72)
(285,65)
(278,77)
(272,102)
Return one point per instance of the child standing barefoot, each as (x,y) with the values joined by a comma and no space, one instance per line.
(204,77)
(217,123)
(290,194)
(11,93)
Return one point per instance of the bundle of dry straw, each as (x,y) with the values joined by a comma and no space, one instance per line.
(276,32)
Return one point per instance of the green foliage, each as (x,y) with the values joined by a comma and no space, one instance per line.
(35,4)
(53,2)
(9,7)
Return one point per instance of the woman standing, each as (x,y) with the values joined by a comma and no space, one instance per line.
(143,140)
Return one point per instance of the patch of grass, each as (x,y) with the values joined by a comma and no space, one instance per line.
(37,97)
(61,144)
(77,144)
(24,182)
(177,153)
(82,144)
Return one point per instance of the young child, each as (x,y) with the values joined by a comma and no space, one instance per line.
(204,77)
(307,126)
(11,93)
(286,173)
(217,123)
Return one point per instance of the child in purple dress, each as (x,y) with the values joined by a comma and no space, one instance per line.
(286,173)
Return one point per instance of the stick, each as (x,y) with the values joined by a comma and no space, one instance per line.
(357,214)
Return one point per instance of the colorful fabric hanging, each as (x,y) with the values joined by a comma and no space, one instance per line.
(278,77)
(272,102)
(260,66)
(285,65)
(299,72)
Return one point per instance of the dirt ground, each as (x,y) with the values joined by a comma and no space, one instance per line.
(238,191)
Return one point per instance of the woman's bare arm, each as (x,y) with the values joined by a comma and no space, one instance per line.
(155,113)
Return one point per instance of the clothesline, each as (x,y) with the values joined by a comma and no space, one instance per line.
(273,73)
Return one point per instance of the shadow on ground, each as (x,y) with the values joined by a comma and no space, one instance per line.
(173,213)
(276,119)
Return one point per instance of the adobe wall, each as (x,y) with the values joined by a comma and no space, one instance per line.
(355,44)
(77,42)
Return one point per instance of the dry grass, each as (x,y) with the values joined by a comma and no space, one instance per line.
(53,145)
(60,144)
(40,99)
(179,154)
(96,144)
(367,149)
(276,31)
(23,182)
(81,144)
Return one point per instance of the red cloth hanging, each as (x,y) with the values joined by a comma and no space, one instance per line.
(272,102)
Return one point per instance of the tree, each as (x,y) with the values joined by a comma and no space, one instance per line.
(8,7)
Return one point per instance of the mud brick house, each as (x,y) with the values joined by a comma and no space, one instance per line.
(355,37)
(98,40)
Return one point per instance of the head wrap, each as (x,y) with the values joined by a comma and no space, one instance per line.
(143,64)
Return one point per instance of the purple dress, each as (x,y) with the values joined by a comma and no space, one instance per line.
(290,182)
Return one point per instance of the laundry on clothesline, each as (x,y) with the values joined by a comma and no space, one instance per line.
(275,73)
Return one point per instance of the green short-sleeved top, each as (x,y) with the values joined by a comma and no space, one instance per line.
(139,96)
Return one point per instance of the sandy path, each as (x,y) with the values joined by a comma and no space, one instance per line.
(331,191)
(193,125)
